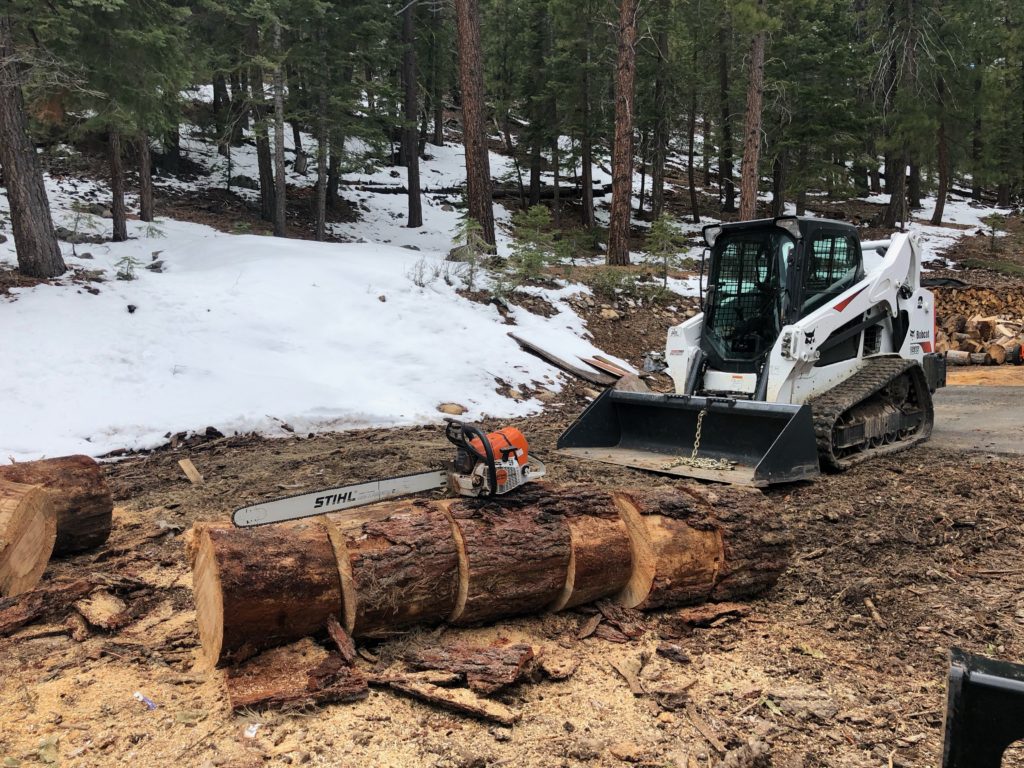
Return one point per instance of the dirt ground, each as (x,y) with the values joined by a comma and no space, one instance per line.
(932,538)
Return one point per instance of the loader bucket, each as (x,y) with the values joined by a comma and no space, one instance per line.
(770,443)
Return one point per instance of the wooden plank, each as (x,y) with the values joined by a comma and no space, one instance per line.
(611,370)
(190,471)
(601,379)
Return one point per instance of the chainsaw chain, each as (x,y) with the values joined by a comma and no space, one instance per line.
(877,372)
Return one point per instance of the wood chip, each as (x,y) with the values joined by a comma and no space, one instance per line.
(875,615)
(341,639)
(190,471)
(589,626)
(629,669)
(706,615)
(458,700)
(705,730)
(103,610)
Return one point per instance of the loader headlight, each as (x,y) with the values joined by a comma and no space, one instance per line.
(711,233)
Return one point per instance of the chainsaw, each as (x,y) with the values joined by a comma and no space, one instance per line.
(485,465)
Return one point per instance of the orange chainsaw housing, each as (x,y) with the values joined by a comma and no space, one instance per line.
(501,441)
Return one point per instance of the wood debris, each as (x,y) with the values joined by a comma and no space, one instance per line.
(458,700)
(193,474)
(299,674)
(710,613)
(341,639)
(486,670)
(103,610)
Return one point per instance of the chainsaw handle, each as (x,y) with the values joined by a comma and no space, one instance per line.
(456,433)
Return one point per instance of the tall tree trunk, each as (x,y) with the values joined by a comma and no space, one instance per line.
(437,92)
(661,119)
(145,179)
(587,147)
(239,115)
(725,150)
(779,183)
(705,149)
(410,141)
(471,77)
(801,193)
(535,168)
(887,176)
(220,112)
(321,168)
(914,187)
(35,244)
(752,128)
(301,161)
(690,170)
(942,150)
(334,172)
(264,158)
(556,201)
(279,177)
(896,210)
(644,141)
(120,221)
(622,150)
(976,139)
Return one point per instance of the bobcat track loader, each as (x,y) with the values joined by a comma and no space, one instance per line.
(813,351)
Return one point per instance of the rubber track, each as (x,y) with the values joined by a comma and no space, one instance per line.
(876,373)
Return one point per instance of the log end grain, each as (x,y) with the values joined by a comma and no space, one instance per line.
(28,529)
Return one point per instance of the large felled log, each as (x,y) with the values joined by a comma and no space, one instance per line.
(540,547)
(28,527)
(81,499)
(261,587)
(398,572)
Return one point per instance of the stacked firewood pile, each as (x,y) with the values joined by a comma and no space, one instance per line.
(981,340)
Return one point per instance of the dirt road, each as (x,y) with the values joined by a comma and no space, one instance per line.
(982,409)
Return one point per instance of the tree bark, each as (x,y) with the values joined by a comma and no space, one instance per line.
(914,187)
(239,115)
(280,201)
(705,149)
(119,217)
(264,158)
(220,113)
(36,245)
(644,148)
(976,136)
(725,183)
(622,150)
(896,210)
(28,527)
(410,141)
(478,169)
(334,173)
(752,128)
(145,179)
(942,152)
(412,554)
(81,499)
(321,168)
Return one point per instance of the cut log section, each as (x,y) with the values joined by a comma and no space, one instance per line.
(601,559)
(692,544)
(28,529)
(260,587)
(515,554)
(80,497)
(401,571)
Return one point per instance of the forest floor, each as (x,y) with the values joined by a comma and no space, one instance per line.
(932,537)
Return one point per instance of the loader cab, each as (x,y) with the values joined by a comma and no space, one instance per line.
(765,274)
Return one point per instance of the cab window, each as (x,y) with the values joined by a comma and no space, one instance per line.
(833,266)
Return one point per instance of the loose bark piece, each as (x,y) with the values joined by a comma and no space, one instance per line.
(486,669)
(431,676)
(80,497)
(28,529)
(260,587)
(627,621)
(558,666)
(300,674)
(341,639)
(402,571)
(103,610)
(45,603)
(589,627)
(610,633)
(705,730)
(629,670)
(516,552)
(194,475)
(459,700)
(705,615)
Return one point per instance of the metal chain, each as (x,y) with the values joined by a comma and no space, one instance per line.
(693,461)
